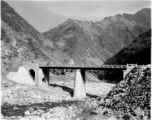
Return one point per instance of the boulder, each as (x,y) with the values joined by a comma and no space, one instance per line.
(27,112)
(22,77)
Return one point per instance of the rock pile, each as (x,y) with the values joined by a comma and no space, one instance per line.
(130,99)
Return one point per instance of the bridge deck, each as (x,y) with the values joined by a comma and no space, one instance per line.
(85,67)
(60,66)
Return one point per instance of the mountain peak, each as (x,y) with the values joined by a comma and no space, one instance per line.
(145,9)
(89,42)
(69,20)
(143,17)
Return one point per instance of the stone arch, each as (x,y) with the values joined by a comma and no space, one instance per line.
(32,73)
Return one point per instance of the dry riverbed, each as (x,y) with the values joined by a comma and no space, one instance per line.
(53,101)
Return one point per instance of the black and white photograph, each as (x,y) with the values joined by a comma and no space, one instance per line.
(75,60)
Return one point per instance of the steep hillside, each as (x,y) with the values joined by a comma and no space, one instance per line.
(21,43)
(72,39)
(92,43)
(138,52)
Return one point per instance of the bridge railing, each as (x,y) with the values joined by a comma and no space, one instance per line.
(79,66)
(132,65)
(82,66)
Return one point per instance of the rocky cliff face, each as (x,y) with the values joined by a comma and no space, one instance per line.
(21,43)
(92,43)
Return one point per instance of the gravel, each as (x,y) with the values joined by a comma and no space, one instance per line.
(24,95)
(47,102)
(92,88)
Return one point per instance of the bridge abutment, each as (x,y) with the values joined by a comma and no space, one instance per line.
(79,87)
(38,73)
(128,69)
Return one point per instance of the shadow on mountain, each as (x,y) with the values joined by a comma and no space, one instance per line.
(138,52)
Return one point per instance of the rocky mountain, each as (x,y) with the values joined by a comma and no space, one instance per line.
(72,42)
(21,43)
(92,43)
(138,52)
(135,52)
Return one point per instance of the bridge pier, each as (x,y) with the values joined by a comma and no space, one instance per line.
(46,75)
(40,75)
(79,87)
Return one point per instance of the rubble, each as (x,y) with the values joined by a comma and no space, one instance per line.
(131,97)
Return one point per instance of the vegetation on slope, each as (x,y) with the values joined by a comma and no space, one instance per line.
(138,52)
(21,43)
(135,52)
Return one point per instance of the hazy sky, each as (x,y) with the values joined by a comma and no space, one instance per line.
(44,15)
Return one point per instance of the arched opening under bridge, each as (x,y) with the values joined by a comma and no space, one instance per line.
(32,73)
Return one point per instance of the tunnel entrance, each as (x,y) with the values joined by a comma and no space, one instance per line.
(32,73)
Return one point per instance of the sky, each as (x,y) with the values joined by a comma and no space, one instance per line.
(44,15)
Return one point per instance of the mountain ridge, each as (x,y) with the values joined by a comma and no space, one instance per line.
(92,43)
(138,47)
(21,43)
(72,42)
(137,52)
(124,14)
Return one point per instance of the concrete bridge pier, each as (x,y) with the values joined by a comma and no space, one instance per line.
(46,75)
(79,87)
(39,76)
